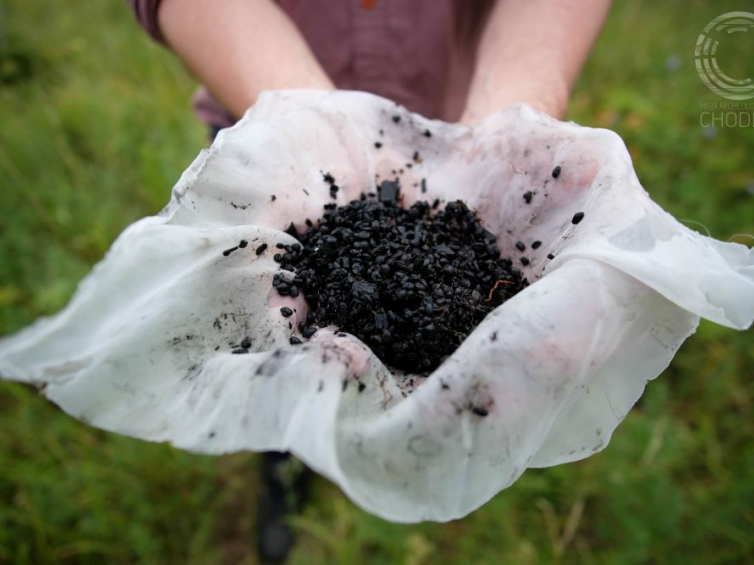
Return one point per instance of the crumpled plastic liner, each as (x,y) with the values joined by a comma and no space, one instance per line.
(144,348)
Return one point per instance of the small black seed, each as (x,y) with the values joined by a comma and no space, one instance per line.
(286,312)
(520,246)
(524,261)
(536,244)
(556,172)
(261,249)
(396,119)
(362,386)
(577,217)
(550,256)
(243,243)
(377,144)
(295,341)
(273,198)
(527,196)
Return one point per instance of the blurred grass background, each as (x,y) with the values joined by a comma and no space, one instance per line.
(95,127)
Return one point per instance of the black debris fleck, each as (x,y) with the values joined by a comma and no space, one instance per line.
(536,245)
(328,178)
(261,249)
(520,246)
(524,261)
(388,190)
(424,186)
(556,172)
(577,217)
(308,331)
(427,133)
(362,386)
(411,283)
(243,243)
(550,256)
(243,347)
(396,119)
(527,196)
(377,144)
(295,341)
(229,251)
(273,198)
(479,410)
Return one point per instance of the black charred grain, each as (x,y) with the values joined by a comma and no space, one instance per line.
(411,283)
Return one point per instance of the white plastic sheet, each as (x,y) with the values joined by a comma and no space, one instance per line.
(145,346)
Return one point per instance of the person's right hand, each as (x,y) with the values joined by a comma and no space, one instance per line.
(238,48)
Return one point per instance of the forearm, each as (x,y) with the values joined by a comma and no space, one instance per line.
(238,48)
(532,51)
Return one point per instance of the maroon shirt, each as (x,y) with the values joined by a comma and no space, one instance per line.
(419,53)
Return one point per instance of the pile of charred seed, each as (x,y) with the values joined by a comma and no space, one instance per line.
(410,283)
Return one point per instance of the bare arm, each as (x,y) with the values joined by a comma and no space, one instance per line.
(238,48)
(532,51)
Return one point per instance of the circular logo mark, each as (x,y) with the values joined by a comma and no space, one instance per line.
(723,28)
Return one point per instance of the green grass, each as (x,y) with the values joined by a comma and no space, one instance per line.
(95,129)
